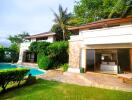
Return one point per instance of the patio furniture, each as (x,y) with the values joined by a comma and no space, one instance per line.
(109,67)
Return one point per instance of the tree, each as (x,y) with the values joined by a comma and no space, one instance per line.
(59,33)
(62,19)
(94,10)
(14,47)
(1,46)
(17,39)
(123,8)
(90,10)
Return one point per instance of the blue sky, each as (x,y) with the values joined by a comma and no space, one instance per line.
(33,16)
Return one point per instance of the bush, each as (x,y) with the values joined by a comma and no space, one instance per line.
(44,62)
(12,75)
(1,54)
(81,70)
(8,55)
(39,47)
(55,53)
(65,67)
(58,53)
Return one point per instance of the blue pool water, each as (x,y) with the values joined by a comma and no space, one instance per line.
(33,71)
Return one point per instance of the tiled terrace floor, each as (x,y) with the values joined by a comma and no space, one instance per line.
(89,79)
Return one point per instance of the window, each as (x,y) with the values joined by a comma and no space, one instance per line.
(41,38)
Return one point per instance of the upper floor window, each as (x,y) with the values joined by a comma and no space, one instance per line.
(41,38)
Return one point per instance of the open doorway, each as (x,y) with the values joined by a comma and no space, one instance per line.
(29,57)
(108,60)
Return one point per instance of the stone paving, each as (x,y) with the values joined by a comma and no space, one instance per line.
(88,79)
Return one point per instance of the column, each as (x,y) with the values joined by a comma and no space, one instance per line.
(83,58)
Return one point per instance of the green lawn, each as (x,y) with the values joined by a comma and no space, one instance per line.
(50,90)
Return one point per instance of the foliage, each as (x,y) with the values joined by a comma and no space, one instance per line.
(8,55)
(81,70)
(17,39)
(92,10)
(59,33)
(14,47)
(12,75)
(39,47)
(44,62)
(1,46)
(1,54)
(58,52)
(50,54)
(65,67)
(123,8)
(89,10)
(62,19)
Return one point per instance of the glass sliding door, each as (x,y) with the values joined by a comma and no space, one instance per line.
(106,61)
(124,59)
(90,60)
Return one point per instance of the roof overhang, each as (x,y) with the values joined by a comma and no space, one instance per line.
(40,35)
(102,23)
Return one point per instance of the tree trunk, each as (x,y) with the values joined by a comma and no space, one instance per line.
(64,34)
(3,87)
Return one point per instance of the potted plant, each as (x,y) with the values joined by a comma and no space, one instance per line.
(81,70)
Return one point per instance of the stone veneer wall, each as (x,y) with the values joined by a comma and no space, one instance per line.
(74,54)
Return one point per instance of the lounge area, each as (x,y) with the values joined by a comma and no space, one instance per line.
(109,61)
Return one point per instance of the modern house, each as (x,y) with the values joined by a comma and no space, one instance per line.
(25,55)
(103,46)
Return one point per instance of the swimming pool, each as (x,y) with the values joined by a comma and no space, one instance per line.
(33,71)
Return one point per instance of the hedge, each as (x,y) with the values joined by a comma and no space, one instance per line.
(39,47)
(58,53)
(50,54)
(12,75)
(44,62)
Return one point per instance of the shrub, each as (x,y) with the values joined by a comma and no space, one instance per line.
(65,67)
(58,53)
(39,56)
(39,47)
(81,70)
(12,75)
(1,54)
(8,55)
(44,62)
(55,53)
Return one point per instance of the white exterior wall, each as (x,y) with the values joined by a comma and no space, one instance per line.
(25,46)
(112,37)
(33,40)
(50,39)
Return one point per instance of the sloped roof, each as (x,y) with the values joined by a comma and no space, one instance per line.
(102,23)
(44,34)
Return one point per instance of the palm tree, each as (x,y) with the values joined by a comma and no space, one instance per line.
(62,19)
(122,7)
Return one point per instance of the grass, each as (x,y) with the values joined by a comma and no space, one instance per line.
(51,90)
